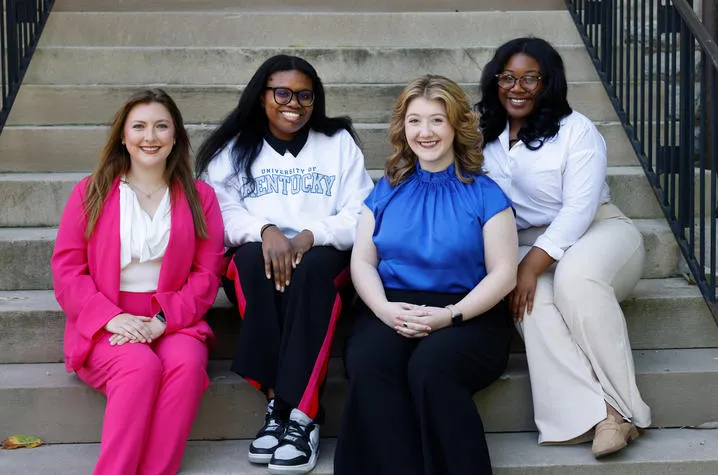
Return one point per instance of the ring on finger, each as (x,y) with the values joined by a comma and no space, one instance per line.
(406,325)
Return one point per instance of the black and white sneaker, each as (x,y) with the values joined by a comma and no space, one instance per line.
(298,447)
(267,439)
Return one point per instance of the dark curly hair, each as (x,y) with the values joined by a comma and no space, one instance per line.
(551,104)
(248,122)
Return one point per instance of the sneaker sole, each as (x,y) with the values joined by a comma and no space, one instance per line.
(262,459)
(295,469)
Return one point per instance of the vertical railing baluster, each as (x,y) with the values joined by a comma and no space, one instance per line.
(3,67)
(627,65)
(673,115)
(686,184)
(621,63)
(712,84)
(636,74)
(649,98)
(703,149)
(642,101)
(667,112)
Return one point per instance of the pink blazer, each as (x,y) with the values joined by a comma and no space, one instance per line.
(86,272)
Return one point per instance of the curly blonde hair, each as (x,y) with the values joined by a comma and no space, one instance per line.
(468,157)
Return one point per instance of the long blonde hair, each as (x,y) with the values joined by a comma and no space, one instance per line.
(115,162)
(468,157)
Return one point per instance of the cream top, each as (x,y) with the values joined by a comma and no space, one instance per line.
(143,241)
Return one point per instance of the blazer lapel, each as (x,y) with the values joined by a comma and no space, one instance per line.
(104,247)
(177,260)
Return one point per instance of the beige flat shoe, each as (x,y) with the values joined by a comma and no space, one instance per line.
(612,435)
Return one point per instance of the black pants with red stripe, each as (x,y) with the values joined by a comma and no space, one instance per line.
(410,405)
(285,339)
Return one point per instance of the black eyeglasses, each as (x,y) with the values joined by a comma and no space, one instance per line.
(284,95)
(528,83)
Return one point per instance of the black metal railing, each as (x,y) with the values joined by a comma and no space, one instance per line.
(21,22)
(658,62)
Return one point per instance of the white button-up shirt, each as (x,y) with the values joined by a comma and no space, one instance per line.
(560,185)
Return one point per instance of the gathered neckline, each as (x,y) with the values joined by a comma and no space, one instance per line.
(434,177)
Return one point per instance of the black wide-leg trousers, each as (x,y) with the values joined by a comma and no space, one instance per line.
(410,407)
(286,337)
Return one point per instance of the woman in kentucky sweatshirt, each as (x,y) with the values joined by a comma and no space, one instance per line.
(290,183)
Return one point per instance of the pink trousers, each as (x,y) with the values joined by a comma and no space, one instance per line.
(153,394)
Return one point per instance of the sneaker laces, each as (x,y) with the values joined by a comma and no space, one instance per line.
(272,420)
(273,425)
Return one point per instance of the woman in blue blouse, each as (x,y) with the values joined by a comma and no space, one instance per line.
(435,254)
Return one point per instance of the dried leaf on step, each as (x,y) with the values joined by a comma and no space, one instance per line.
(21,441)
(12,297)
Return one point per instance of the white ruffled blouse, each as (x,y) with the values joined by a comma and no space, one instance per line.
(143,241)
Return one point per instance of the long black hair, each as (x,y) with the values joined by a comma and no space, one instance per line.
(248,122)
(550,102)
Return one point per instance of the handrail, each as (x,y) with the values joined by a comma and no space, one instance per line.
(659,65)
(21,23)
(698,29)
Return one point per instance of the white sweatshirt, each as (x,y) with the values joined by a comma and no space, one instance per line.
(321,189)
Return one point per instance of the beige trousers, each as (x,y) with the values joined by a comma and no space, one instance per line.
(576,340)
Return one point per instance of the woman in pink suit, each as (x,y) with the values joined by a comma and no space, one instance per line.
(136,266)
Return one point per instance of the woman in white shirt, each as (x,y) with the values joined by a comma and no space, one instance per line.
(580,254)
(136,265)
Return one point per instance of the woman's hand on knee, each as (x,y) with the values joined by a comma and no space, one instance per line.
(133,327)
(278,257)
(301,243)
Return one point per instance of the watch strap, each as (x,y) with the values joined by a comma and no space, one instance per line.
(161,316)
(457,318)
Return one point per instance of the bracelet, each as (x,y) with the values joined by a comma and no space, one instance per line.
(264,228)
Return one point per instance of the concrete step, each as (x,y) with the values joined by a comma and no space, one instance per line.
(679,385)
(37,199)
(25,258)
(235,65)
(308,29)
(304,5)
(365,103)
(34,199)
(661,313)
(25,254)
(75,148)
(657,452)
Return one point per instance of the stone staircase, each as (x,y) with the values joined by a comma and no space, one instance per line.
(93,53)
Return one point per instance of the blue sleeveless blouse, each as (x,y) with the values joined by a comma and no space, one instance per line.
(428,230)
